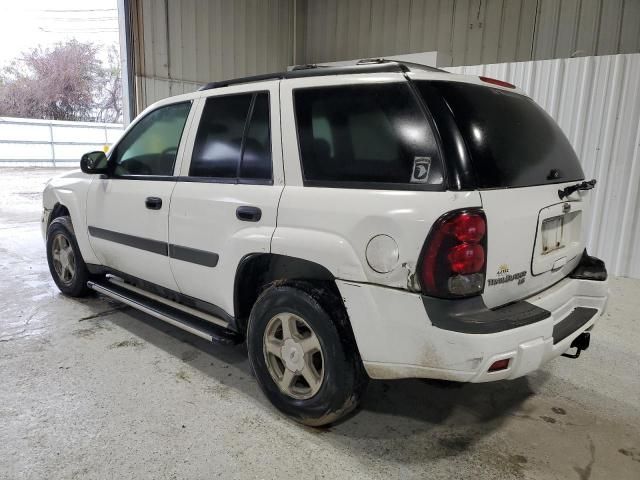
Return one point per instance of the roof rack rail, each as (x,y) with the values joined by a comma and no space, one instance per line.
(369,61)
(236,81)
(307,66)
(367,65)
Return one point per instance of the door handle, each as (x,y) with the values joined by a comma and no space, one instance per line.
(153,203)
(248,214)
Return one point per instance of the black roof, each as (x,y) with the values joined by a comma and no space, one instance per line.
(376,65)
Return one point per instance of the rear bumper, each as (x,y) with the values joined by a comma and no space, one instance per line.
(397,338)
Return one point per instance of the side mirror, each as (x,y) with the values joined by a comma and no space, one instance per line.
(94,162)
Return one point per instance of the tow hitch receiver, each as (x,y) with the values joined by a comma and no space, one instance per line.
(580,343)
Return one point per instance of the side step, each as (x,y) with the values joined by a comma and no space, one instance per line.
(161,310)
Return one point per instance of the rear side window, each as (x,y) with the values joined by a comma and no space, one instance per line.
(234,138)
(256,156)
(368,136)
(512,141)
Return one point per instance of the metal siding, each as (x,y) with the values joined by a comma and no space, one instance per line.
(596,101)
(186,43)
(471,31)
(630,33)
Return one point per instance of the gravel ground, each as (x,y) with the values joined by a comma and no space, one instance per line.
(90,389)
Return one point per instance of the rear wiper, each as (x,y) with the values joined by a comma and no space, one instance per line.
(566,191)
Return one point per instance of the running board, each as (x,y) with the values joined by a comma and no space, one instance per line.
(167,313)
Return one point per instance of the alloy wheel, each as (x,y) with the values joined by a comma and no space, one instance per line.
(294,356)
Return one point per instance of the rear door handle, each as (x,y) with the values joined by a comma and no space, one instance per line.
(248,214)
(153,203)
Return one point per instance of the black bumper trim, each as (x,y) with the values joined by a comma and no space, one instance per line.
(471,315)
(572,322)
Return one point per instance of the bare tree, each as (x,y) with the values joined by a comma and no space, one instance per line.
(67,82)
(109,99)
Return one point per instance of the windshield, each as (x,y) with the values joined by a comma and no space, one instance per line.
(512,141)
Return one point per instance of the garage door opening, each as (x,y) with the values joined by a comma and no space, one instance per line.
(61,81)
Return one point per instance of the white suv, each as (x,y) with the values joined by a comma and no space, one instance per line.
(381,220)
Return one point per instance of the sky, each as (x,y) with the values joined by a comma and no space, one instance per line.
(27,24)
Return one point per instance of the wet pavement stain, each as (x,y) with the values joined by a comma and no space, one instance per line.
(105,313)
(585,473)
(635,456)
(190,355)
(126,343)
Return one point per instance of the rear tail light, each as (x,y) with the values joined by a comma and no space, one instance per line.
(495,81)
(453,261)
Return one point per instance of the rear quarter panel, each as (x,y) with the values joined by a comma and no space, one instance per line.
(332,227)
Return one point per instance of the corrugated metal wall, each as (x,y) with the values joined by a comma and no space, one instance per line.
(471,31)
(596,101)
(182,44)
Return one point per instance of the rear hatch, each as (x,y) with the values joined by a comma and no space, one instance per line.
(520,160)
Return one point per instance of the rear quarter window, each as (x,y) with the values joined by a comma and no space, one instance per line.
(366,136)
(511,140)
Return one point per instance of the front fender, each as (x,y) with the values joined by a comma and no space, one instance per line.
(70,190)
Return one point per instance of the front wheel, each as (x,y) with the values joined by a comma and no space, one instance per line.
(65,260)
(303,357)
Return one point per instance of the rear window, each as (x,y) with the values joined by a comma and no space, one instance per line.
(512,141)
(365,136)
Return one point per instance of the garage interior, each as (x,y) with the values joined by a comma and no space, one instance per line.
(94,389)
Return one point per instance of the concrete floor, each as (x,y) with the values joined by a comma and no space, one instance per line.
(92,390)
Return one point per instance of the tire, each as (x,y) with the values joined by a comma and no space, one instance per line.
(315,312)
(70,274)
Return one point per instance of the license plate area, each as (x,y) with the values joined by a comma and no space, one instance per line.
(558,238)
(552,234)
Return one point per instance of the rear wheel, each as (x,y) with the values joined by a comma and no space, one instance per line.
(65,260)
(303,358)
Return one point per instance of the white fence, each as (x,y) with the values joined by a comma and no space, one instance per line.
(51,143)
(596,101)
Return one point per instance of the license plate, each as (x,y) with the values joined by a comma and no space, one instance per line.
(552,234)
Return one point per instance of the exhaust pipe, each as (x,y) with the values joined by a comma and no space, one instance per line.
(580,343)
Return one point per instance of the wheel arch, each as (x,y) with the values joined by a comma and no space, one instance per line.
(59,210)
(256,271)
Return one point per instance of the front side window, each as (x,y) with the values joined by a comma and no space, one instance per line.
(151,146)
(373,136)
(234,138)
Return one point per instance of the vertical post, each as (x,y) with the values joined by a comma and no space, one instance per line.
(53,148)
(126,60)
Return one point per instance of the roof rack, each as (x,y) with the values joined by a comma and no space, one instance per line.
(236,81)
(369,65)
